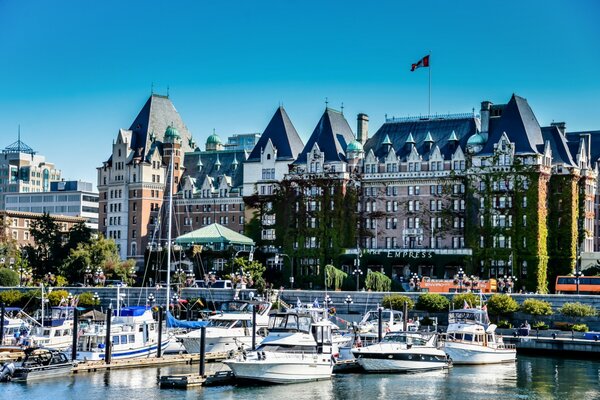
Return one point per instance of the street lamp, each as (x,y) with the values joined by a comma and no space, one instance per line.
(150,299)
(509,282)
(95,299)
(357,273)
(348,301)
(70,299)
(578,275)
(415,281)
(460,276)
(327,301)
(21,269)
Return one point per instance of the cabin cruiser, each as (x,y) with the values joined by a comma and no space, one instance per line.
(297,349)
(403,352)
(471,339)
(39,363)
(55,331)
(230,328)
(392,321)
(15,328)
(134,334)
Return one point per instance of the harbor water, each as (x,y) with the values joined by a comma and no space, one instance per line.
(528,378)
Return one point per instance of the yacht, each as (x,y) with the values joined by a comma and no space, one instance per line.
(55,331)
(229,329)
(471,339)
(297,349)
(403,352)
(40,363)
(134,334)
(392,321)
(15,328)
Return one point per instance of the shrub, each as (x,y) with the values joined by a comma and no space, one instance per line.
(426,321)
(501,304)
(8,277)
(577,310)
(432,302)
(541,325)
(504,324)
(56,296)
(86,299)
(11,298)
(396,302)
(580,328)
(536,307)
(459,300)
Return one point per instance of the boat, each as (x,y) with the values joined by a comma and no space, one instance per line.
(41,363)
(471,339)
(15,328)
(134,334)
(403,352)
(392,321)
(55,331)
(297,349)
(229,329)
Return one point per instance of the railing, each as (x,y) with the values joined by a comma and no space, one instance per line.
(431,117)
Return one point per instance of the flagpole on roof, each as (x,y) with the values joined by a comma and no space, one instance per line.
(429,67)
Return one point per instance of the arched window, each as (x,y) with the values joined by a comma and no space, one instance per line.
(133,249)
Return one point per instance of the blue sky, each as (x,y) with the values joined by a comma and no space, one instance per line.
(73,72)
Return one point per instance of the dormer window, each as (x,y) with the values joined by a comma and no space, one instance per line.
(268,156)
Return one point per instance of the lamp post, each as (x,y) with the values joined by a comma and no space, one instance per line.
(70,299)
(348,301)
(509,282)
(86,276)
(578,275)
(291,260)
(357,273)
(327,301)
(95,299)
(415,281)
(461,277)
(150,299)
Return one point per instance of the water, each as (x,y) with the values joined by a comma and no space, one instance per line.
(528,378)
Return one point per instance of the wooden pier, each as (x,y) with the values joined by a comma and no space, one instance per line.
(185,381)
(91,366)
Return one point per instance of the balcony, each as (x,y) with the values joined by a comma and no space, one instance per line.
(412,231)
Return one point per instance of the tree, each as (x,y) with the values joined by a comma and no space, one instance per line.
(433,302)
(8,277)
(396,302)
(378,282)
(471,299)
(578,310)
(536,307)
(501,304)
(47,253)
(334,277)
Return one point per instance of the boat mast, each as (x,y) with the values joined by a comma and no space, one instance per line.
(42,289)
(169,230)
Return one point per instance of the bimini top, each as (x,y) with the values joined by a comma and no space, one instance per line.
(469,316)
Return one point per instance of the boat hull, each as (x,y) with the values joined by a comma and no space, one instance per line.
(463,354)
(293,370)
(26,374)
(218,344)
(140,352)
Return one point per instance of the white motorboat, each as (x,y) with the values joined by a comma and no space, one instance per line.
(471,339)
(40,363)
(56,330)
(15,328)
(229,329)
(297,349)
(403,352)
(392,321)
(134,334)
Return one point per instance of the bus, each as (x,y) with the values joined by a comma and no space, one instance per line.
(587,284)
(453,286)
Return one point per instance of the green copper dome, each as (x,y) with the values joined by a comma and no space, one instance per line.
(213,139)
(172,133)
(354,146)
(476,140)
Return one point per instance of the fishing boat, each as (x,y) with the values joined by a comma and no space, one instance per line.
(230,328)
(134,334)
(403,352)
(40,363)
(471,339)
(297,349)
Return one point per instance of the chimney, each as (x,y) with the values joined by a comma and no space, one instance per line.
(486,106)
(562,127)
(362,130)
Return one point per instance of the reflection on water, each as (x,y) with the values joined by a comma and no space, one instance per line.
(528,378)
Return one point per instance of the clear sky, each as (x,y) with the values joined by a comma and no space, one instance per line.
(73,72)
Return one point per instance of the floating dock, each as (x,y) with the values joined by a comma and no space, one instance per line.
(91,366)
(559,346)
(185,381)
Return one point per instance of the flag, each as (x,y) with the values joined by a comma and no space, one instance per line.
(423,62)
(298,303)
(466,305)
(316,303)
(484,308)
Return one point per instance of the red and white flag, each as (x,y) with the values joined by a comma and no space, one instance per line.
(423,62)
(466,305)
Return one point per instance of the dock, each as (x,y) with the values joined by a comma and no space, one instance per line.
(185,381)
(91,366)
(555,346)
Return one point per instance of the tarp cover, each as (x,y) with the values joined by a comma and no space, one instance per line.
(173,322)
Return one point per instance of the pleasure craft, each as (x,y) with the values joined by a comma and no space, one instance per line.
(402,352)
(56,330)
(392,321)
(15,328)
(134,334)
(229,329)
(471,339)
(41,363)
(297,349)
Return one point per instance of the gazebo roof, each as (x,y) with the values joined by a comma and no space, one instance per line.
(214,233)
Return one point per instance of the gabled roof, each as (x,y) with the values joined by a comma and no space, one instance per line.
(214,233)
(156,115)
(521,127)
(332,134)
(561,154)
(282,134)
(438,129)
(215,164)
(575,137)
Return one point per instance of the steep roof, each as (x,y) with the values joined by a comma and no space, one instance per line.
(282,134)
(437,129)
(154,118)
(575,137)
(332,134)
(521,127)
(224,159)
(214,233)
(561,153)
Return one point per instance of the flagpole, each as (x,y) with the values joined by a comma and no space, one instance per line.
(429,68)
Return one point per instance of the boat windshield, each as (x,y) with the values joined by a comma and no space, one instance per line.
(403,338)
(468,316)
(290,321)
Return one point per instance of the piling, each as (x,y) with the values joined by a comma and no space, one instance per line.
(253,327)
(75,330)
(2,311)
(108,340)
(202,350)
(405,316)
(160,321)
(379,324)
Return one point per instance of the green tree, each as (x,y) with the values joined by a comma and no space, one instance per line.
(378,282)
(8,277)
(334,277)
(11,297)
(396,302)
(578,310)
(536,307)
(501,304)
(47,252)
(56,296)
(432,302)
(470,298)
